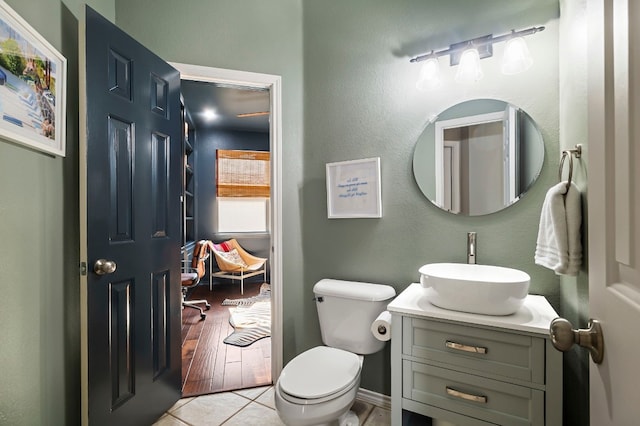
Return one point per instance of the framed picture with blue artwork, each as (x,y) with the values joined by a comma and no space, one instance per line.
(32,86)
(354,189)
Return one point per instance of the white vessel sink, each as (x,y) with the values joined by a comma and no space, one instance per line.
(478,289)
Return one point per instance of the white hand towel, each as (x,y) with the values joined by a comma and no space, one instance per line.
(558,246)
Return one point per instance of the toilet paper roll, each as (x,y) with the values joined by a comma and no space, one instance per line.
(381,327)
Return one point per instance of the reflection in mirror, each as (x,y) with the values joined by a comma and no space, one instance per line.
(478,157)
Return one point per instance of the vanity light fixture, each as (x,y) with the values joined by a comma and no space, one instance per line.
(469,68)
(467,54)
(516,57)
(429,74)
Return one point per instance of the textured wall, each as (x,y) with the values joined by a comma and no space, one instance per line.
(361,101)
(574,292)
(358,101)
(39,232)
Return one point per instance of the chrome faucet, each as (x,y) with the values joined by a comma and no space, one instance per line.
(471,248)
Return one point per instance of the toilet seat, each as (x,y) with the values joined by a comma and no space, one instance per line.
(314,401)
(319,374)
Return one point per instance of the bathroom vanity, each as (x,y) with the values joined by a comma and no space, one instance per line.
(471,369)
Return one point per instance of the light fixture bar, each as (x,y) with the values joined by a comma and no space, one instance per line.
(483,44)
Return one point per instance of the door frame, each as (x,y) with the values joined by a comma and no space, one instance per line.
(273,83)
(440,127)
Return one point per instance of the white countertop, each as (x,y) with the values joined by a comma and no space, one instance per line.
(534,316)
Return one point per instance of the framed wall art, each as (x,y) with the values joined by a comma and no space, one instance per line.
(353,189)
(32,86)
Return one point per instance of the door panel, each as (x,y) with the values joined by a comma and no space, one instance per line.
(121,175)
(614,203)
(121,348)
(160,185)
(132,147)
(160,338)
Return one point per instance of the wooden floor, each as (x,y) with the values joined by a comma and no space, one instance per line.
(208,364)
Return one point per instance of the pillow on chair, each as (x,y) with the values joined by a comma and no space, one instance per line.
(234,257)
(224,246)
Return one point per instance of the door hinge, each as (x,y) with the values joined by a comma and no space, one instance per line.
(83,268)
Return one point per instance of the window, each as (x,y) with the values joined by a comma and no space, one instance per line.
(243,173)
(242,191)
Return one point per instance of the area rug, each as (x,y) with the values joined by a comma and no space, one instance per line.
(250,323)
(265,294)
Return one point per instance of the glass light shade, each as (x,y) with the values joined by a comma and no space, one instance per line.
(429,75)
(516,57)
(469,69)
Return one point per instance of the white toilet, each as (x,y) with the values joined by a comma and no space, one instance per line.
(319,386)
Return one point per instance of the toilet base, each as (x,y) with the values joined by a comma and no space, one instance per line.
(330,413)
(347,419)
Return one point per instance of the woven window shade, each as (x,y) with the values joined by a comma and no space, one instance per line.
(243,173)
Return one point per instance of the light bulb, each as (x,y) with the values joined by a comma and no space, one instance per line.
(469,69)
(516,57)
(209,114)
(429,75)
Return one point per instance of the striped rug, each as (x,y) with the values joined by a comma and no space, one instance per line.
(250,323)
(265,294)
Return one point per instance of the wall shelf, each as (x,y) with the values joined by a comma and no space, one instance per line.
(188,181)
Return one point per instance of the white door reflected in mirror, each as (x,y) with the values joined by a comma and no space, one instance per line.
(478,157)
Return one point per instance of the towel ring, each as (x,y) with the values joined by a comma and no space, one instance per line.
(577,151)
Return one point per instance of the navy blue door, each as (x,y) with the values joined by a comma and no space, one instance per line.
(133,157)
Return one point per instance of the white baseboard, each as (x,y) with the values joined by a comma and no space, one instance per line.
(375,398)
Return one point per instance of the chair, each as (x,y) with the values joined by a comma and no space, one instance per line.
(193,272)
(236,264)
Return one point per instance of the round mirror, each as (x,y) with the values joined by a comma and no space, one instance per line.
(478,157)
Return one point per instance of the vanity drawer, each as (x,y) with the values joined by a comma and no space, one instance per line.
(477,397)
(478,350)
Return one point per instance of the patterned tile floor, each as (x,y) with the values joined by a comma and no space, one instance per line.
(249,407)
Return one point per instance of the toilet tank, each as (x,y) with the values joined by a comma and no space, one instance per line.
(346,310)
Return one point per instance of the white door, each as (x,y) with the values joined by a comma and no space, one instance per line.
(614,207)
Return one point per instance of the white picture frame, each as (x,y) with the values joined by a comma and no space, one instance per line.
(33,86)
(354,189)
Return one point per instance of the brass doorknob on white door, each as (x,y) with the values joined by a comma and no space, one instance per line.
(104,267)
(564,336)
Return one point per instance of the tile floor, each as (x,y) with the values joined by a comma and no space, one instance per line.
(249,407)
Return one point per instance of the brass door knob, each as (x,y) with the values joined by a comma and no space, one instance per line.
(104,267)
(564,336)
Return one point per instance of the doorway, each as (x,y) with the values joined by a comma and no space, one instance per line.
(262,360)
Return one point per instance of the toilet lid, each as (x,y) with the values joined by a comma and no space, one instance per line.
(319,372)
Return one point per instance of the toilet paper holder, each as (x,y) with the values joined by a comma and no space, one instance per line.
(381,326)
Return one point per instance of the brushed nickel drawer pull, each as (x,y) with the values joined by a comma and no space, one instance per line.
(466,396)
(465,348)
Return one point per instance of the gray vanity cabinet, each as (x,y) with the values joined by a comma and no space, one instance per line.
(468,373)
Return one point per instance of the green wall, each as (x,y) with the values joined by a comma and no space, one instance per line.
(574,291)
(39,307)
(348,93)
(361,102)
